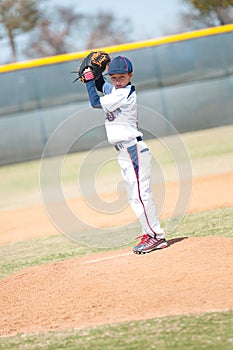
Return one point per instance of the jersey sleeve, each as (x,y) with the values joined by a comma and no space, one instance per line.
(99,83)
(112,101)
(107,88)
(93,95)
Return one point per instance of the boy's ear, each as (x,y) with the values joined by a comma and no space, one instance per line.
(131,74)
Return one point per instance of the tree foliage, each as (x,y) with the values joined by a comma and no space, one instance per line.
(69,31)
(56,30)
(105,29)
(53,33)
(17,16)
(208,13)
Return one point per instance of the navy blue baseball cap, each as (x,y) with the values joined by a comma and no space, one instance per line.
(120,65)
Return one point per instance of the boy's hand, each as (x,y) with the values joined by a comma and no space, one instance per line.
(88,74)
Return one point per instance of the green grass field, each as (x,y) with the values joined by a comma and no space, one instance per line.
(210,150)
(210,331)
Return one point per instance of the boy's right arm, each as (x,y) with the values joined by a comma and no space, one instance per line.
(93,95)
(91,88)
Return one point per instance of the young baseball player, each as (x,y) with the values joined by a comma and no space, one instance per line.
(119,103)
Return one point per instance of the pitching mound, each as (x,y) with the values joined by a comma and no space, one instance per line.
(192,275)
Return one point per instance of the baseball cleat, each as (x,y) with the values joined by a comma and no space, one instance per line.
(148,244)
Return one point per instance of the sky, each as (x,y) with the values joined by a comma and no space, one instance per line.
(149,18)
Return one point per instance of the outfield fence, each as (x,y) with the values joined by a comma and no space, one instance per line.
(187,78)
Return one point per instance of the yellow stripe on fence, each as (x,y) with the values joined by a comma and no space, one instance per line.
(117,48)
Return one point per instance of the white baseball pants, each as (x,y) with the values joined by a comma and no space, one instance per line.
(135,164)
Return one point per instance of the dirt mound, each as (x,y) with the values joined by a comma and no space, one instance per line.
(192,275)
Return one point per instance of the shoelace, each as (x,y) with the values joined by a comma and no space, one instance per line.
(144,238)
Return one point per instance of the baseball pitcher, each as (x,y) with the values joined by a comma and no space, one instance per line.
(119,102)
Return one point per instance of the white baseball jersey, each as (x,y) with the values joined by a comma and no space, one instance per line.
(120,106)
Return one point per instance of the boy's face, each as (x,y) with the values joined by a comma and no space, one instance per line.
(120,80)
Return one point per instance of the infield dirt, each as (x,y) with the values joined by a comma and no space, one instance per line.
(192,275)
(208,193)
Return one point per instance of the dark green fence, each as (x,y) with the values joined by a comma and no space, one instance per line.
(190,83)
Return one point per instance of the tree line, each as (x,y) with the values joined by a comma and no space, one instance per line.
(66,29)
